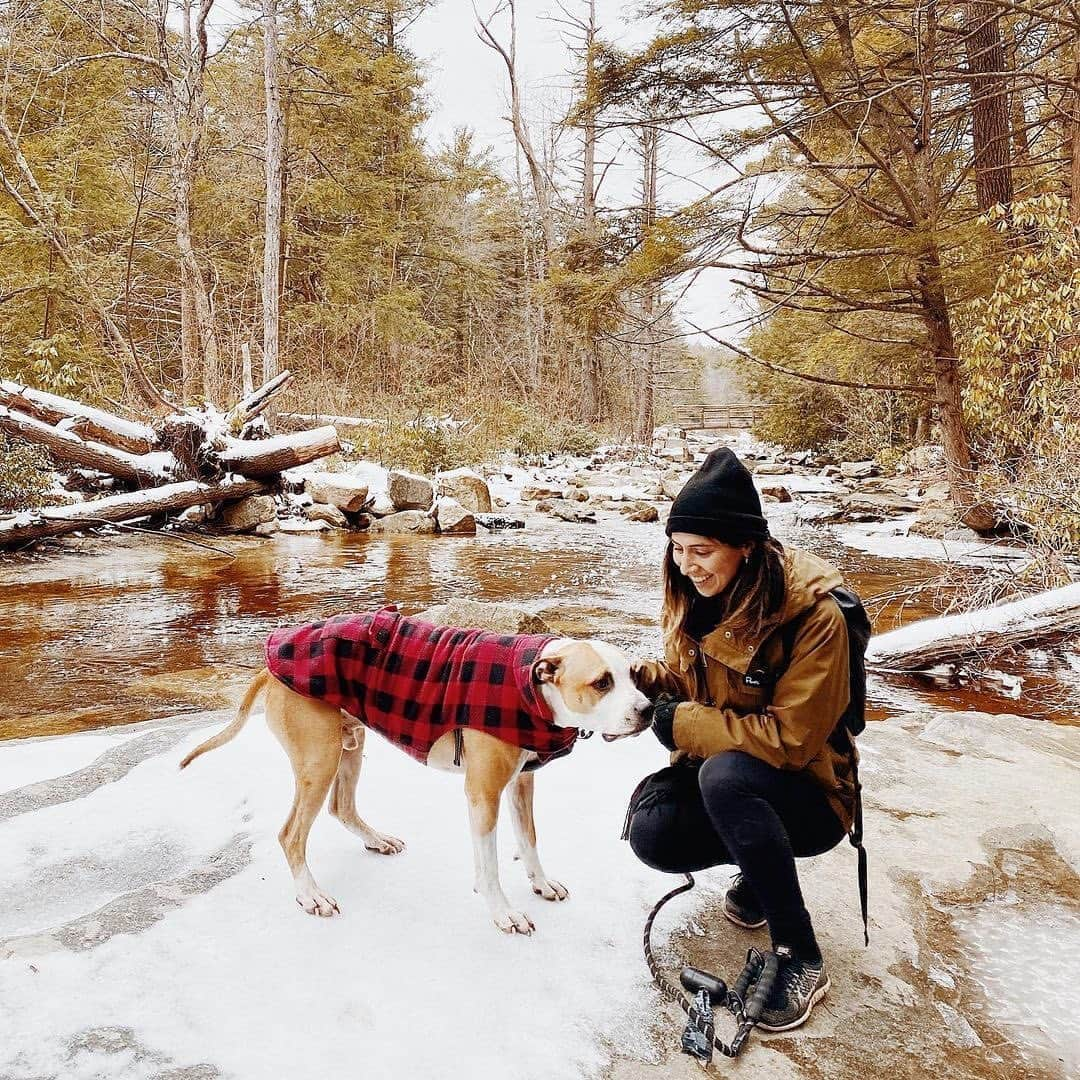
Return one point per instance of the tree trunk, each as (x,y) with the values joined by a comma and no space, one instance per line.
(58,520)
(931,641)
(83,420)
(275,140)
(1072,105)
(67,447)
(989,105)
(644,414)
(267,457)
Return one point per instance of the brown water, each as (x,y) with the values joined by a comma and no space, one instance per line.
(114,630)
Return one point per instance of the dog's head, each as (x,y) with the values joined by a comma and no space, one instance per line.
(588,685)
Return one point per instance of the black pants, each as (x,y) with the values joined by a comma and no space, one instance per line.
(739,810)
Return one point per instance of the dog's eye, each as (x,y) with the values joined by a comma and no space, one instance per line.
(604,683)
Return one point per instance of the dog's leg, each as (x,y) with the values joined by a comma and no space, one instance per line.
(521,801)
(343,800)
(489,766)
(310,732)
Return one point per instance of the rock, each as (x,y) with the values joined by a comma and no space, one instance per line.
(769,468)
(245,515)
(338,490)
(497,617)
(381,506)
(536,493)
(293,525)
(576,494)
(672,485)
(494,522)
(268,528)
(927,456)
(404,521)
(567,511)
(778,492)
(864,507)
(325,512)
(470,489)
(194,515)
(453,519)
(858,470)
(639,511)
(934,519)
(410,491)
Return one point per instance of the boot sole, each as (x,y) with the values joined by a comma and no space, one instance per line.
(815,997)
(742,922)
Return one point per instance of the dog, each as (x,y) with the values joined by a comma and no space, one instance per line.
(493,706)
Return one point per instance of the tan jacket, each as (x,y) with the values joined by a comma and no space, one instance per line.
(787,726)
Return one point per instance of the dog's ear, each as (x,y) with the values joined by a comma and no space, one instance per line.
(547,670)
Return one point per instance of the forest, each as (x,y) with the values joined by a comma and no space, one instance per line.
(191,205)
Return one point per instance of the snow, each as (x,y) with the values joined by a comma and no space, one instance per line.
(973,625)
(149,926)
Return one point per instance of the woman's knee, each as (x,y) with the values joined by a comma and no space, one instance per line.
(731,773)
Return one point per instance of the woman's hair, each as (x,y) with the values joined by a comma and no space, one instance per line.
(747,606)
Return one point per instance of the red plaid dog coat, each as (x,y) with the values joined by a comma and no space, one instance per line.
(413,681)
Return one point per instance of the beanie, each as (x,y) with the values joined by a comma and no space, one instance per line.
(719,501)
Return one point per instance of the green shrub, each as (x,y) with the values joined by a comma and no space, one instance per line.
(24,476)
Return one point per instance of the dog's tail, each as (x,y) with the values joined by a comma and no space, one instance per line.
(229,733)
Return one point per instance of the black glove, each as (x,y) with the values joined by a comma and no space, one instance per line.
(663,718)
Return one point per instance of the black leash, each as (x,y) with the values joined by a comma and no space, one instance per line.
(699,1038)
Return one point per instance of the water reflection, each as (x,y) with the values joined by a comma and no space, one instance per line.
(120,629)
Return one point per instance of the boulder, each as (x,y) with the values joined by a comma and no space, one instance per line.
(338,490)
(777,492)
(404,521)
(381,506)
(410,491)
(453,519)
(672,485)
(927,456)
(769,468)
(494,522)
(470,489)
(497,617)
(245,515)
(536,493)
(566,511)
(858,470)
(639,511)
(934,519)
(268,528)
(325,512)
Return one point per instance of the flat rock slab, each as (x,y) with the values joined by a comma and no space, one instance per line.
(139,902)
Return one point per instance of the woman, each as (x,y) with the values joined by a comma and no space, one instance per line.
(747,711)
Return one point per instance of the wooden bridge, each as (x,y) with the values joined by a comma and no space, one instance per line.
(730,417)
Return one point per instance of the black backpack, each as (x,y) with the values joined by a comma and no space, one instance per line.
(853,719)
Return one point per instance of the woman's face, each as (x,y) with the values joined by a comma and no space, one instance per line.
(710,565)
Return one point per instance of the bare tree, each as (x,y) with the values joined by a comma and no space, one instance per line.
(275,152)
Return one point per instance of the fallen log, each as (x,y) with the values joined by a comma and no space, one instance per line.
(267,457)
(299,421)
(146,470)
(951,637)
(84,420)
(58,520)
(254,403)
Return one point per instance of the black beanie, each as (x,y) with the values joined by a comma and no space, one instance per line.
(720,501)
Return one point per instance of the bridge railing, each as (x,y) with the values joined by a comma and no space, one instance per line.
(727,417)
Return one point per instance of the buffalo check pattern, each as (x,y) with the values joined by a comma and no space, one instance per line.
(412,681)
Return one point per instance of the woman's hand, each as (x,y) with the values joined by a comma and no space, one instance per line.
(664,718)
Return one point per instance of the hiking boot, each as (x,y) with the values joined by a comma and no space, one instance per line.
(741,906)
(798,988)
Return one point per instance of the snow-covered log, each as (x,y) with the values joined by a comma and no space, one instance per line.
(254,403)
(58,520)
(147,470)
(297,421)
(951,637)
(267,457)
(83,420)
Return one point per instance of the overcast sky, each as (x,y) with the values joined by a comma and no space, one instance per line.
(466,87)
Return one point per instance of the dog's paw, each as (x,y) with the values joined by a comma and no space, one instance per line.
(383,843)
(317,903)
(550,889)
(514,922)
